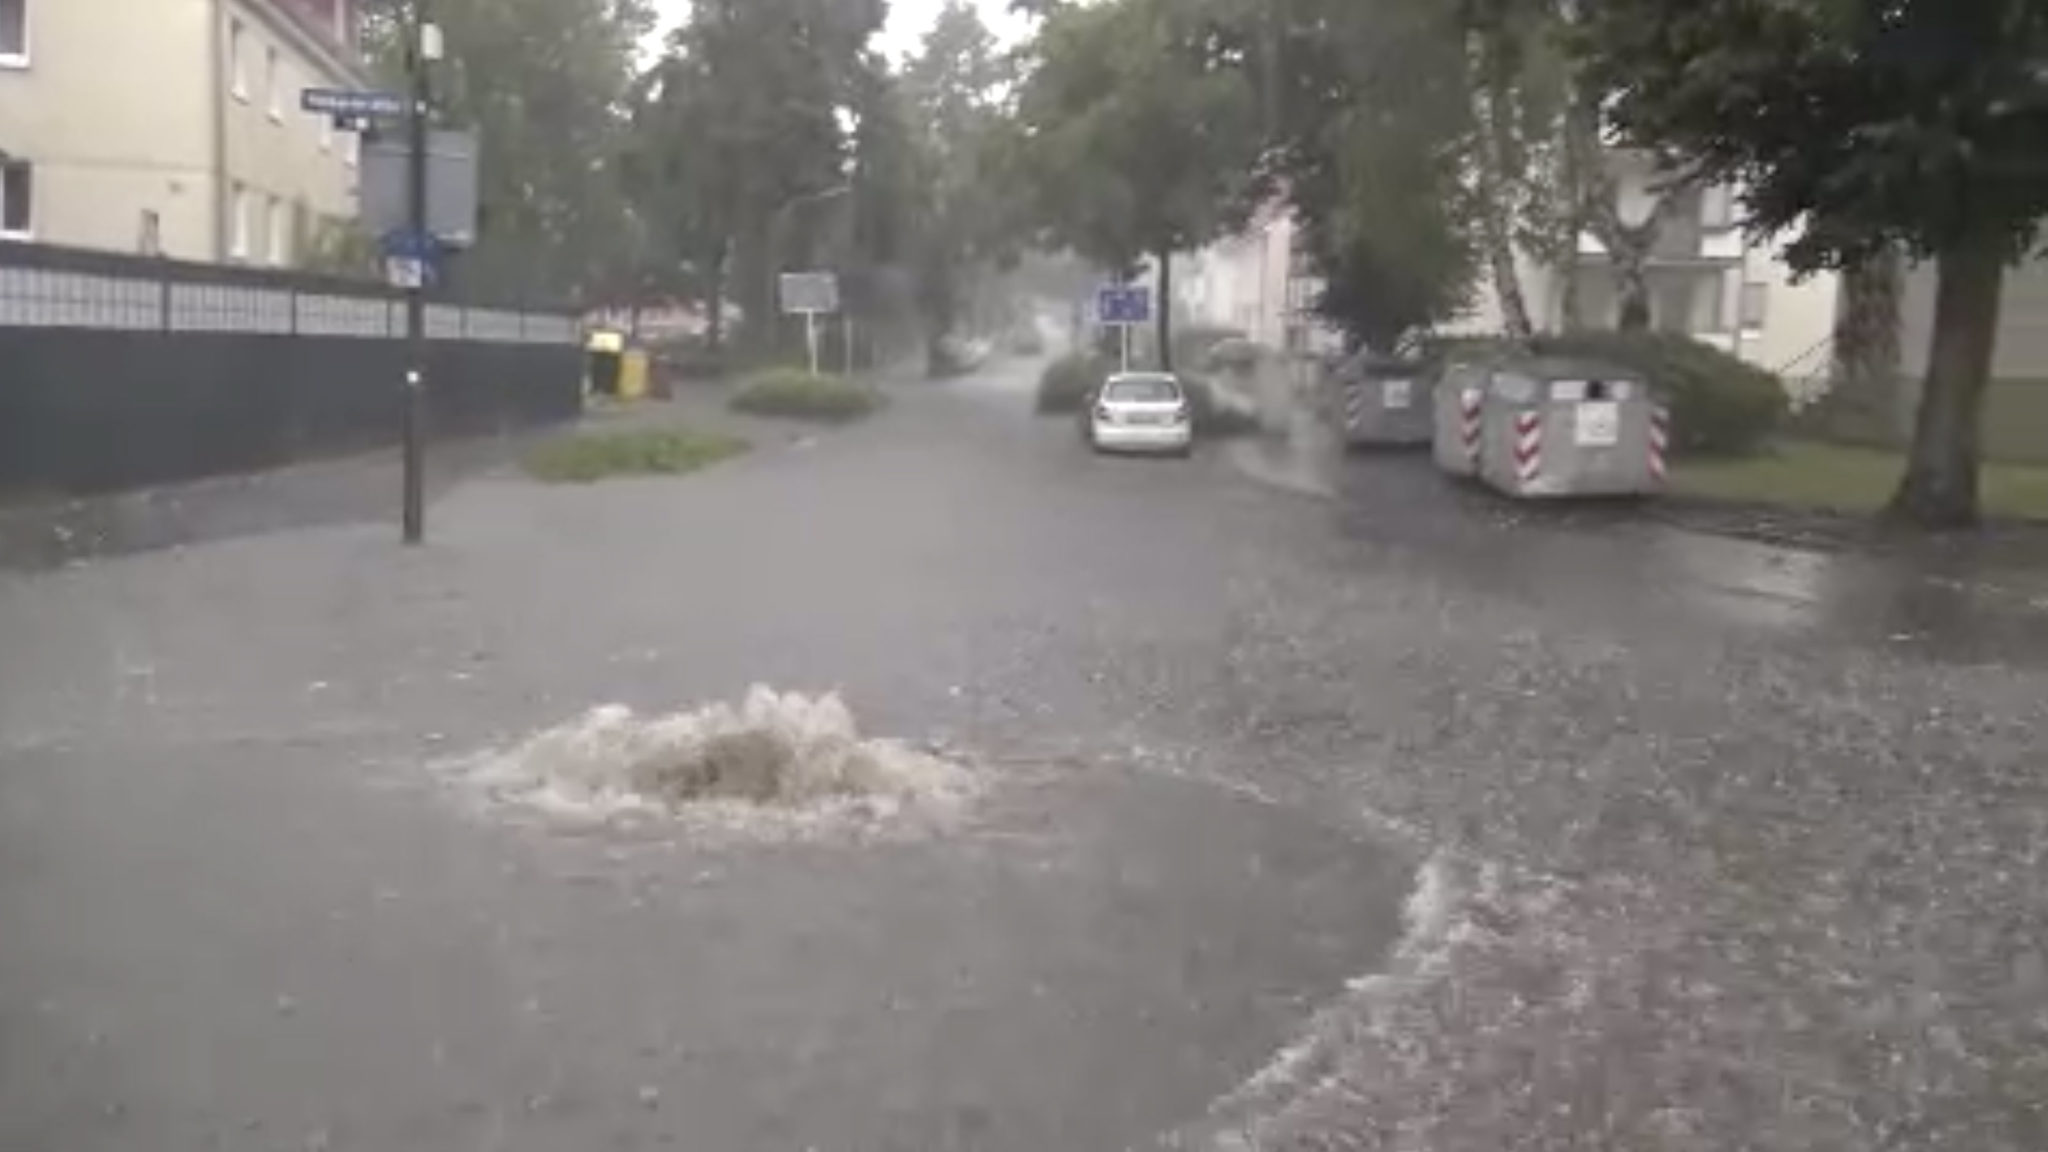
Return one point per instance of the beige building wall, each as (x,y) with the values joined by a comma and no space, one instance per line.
(111,111)
(137,142)
(288,171)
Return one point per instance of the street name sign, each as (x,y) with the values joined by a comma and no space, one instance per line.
(343,103)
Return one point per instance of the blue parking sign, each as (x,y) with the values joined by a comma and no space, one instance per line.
(1123,304)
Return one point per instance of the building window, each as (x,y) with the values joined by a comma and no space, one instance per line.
(17,199)
(1756,306)
(149,238)
(14,33)
(280,234)
(238,66)
(273,84)
(243,213)
(1717,207)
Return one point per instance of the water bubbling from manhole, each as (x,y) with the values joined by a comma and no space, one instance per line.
(774,755)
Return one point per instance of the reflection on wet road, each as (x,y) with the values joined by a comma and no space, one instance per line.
(1624,558)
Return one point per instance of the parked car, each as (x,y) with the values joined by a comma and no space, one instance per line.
(1140,412)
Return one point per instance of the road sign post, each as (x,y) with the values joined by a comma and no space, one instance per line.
(1123,306)
(810,294)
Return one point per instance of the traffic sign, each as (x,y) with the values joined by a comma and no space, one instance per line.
(402,242)
(408,272)
(810,293)
(341,102)
(1123,304)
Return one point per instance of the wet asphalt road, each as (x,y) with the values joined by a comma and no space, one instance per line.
(1714,845)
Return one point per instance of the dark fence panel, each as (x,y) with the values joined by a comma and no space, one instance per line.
(118,373)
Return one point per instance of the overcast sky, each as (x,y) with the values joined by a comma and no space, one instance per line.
(908,20)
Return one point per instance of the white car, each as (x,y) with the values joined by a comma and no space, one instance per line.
(1141,412)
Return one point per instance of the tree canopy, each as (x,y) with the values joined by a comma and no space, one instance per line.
(1861,126)
(1140,131)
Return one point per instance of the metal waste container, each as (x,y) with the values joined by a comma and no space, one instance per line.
(1571,428)
(1383,401)
(1458,399)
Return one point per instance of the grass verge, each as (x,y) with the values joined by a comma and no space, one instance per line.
(1832,478)
(641,452)
(801,396)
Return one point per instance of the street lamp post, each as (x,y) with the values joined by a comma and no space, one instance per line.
(423,45)
(778,229)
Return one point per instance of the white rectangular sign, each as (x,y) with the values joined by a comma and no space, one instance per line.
(1397,394)
(812,293)
(1598,424)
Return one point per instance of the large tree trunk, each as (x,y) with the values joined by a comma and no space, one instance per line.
(1164,305)
(1939,489)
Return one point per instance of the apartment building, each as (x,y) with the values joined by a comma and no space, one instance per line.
(1258,282)
(173,126)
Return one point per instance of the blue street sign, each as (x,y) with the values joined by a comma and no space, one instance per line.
(403,243)
(1123,304)
(339,102)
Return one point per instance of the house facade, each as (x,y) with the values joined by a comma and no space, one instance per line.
(173,127)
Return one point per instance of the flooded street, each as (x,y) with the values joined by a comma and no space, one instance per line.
(1316,804)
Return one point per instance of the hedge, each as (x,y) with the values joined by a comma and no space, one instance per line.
(799,395)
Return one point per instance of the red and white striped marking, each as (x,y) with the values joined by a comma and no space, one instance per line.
(1660,442)
(1471,405)
(1528,446)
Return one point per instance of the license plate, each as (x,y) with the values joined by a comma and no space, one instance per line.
(1598,424)
(1397,394)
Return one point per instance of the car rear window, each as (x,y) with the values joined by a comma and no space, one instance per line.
(1159,390)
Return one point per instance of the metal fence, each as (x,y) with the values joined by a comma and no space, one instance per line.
(120,371)
(48,287)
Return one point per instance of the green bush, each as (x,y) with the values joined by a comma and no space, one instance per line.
(798,395)
(1192,344)
(1067,383)
(640,452)
(1212,420)
(1721,405)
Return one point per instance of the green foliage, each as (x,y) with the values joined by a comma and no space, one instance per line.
(798,395)
(640,452)
(1139,128)
(1193,344)
(1068,383)
(1371,140)
(535,77)
(1721,405)
(1863,126)
(1213,419)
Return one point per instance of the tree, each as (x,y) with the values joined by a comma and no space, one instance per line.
(759,110)
(1140,133)
(1369,131)
(953,90)
(1864,125)
(530,75)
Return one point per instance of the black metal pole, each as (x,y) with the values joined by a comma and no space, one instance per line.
(415,292)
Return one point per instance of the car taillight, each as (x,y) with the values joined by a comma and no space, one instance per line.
(1103,414)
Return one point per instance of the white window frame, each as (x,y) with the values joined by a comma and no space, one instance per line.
(20,59)
(1760,292)
(28,233)
(273,83)
(239,225)
(238,59)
